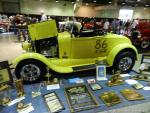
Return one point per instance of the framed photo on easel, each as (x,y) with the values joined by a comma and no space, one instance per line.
(101,72)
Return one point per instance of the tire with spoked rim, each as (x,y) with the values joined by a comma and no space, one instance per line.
(124,61)
(31,71)
(145,44)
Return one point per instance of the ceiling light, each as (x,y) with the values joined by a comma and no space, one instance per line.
(109,2)
(73,2)
(57,1)
(94,0)
(138,0)
(123,3)
(144,8)
(86,4)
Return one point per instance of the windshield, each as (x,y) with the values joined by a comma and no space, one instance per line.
(69,26)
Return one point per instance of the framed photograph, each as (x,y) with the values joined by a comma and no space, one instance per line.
(110,98)
(5,74)
(80,98)
(95,86)
(131,94)
(101,72)
(53,102)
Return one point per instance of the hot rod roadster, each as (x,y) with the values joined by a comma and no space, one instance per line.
(71,51)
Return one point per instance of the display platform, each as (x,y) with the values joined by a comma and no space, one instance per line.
(40,106)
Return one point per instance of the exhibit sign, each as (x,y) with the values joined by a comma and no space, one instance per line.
(101,72)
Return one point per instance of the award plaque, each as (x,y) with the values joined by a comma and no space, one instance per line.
(53,102)
(80,98)
(19,87)
(110,98)
(131,94)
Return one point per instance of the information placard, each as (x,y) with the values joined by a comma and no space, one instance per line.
(101,72)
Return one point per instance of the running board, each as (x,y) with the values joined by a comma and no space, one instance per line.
(84,67)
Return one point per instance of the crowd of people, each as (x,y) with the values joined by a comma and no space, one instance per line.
(18,24)
(118,26)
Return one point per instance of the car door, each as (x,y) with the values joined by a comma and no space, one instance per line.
(89,47)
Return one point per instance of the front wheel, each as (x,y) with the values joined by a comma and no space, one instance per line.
(30,71)
(124,61)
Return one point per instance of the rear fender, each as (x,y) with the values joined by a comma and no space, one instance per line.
(120,48)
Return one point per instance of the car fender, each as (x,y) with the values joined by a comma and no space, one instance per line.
(117,49)
(44,60)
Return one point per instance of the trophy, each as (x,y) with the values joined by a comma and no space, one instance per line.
(19,87)
(116,79)
(36,90)
(50,80)
(4,95)
(48,76)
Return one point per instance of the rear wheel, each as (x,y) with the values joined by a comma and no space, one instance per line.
(145,44)
(30,71)
(124,61)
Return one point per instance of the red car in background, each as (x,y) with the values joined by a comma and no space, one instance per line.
(90,23)
(144,30)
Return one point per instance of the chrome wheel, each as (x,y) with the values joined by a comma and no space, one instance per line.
(30,72)
(145,44)
(125,63)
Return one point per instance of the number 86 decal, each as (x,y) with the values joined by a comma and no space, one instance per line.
(99,45)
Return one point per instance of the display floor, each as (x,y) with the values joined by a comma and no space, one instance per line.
(125,106)
(10,48)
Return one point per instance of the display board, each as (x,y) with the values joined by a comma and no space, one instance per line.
(80,98)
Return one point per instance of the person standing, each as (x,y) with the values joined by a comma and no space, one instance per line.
(134,24)
(106,25)
(43,17)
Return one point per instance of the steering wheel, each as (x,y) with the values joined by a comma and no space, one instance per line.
(75,30)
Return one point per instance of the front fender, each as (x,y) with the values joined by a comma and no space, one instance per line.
(44,60)
(115,51)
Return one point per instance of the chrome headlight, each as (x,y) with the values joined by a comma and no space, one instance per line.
(26,46)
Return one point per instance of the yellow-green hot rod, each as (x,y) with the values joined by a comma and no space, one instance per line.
(71,51)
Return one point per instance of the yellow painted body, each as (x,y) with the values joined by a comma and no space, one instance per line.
(42,30)
(74,52)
